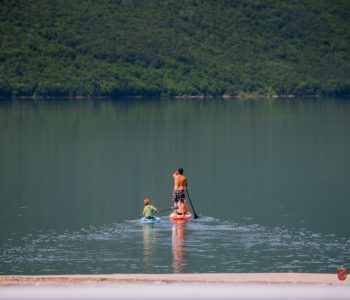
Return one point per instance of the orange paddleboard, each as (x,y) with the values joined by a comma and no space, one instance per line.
(174,216)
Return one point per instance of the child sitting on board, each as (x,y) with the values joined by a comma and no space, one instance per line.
(182,208)
(149,210)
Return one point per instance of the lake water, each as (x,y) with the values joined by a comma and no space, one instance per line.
(270,179)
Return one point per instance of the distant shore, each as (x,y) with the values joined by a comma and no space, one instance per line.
(204,278)
(252,96)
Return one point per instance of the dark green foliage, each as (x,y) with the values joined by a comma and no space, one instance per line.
(173,47)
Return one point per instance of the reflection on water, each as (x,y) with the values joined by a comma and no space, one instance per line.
(270,161)
(178,246)
(275,184)
(149,245)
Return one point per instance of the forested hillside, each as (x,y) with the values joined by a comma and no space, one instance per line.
(174,47)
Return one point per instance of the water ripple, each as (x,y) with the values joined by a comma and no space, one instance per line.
(202,245)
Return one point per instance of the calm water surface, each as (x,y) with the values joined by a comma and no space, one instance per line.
(270,180)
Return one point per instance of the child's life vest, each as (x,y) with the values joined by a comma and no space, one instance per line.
(149,211)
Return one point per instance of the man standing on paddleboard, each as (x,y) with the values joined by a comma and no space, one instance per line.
(180,185)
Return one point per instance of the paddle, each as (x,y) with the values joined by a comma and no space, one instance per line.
(158,211)
(171,208)
(189,198)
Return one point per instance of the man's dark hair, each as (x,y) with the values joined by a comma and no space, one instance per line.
(180,170)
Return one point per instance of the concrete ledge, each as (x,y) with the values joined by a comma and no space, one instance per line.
(238,278)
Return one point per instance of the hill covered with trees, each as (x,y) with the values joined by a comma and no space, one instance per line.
(174,47)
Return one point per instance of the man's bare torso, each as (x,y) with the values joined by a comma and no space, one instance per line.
(180,182)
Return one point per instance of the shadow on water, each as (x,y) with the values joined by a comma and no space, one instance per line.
(203,245)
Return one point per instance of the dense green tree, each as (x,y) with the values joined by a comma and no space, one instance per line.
(174,47)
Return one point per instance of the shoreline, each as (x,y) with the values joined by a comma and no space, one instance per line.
(193,278)
(248,96)
(219,286)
